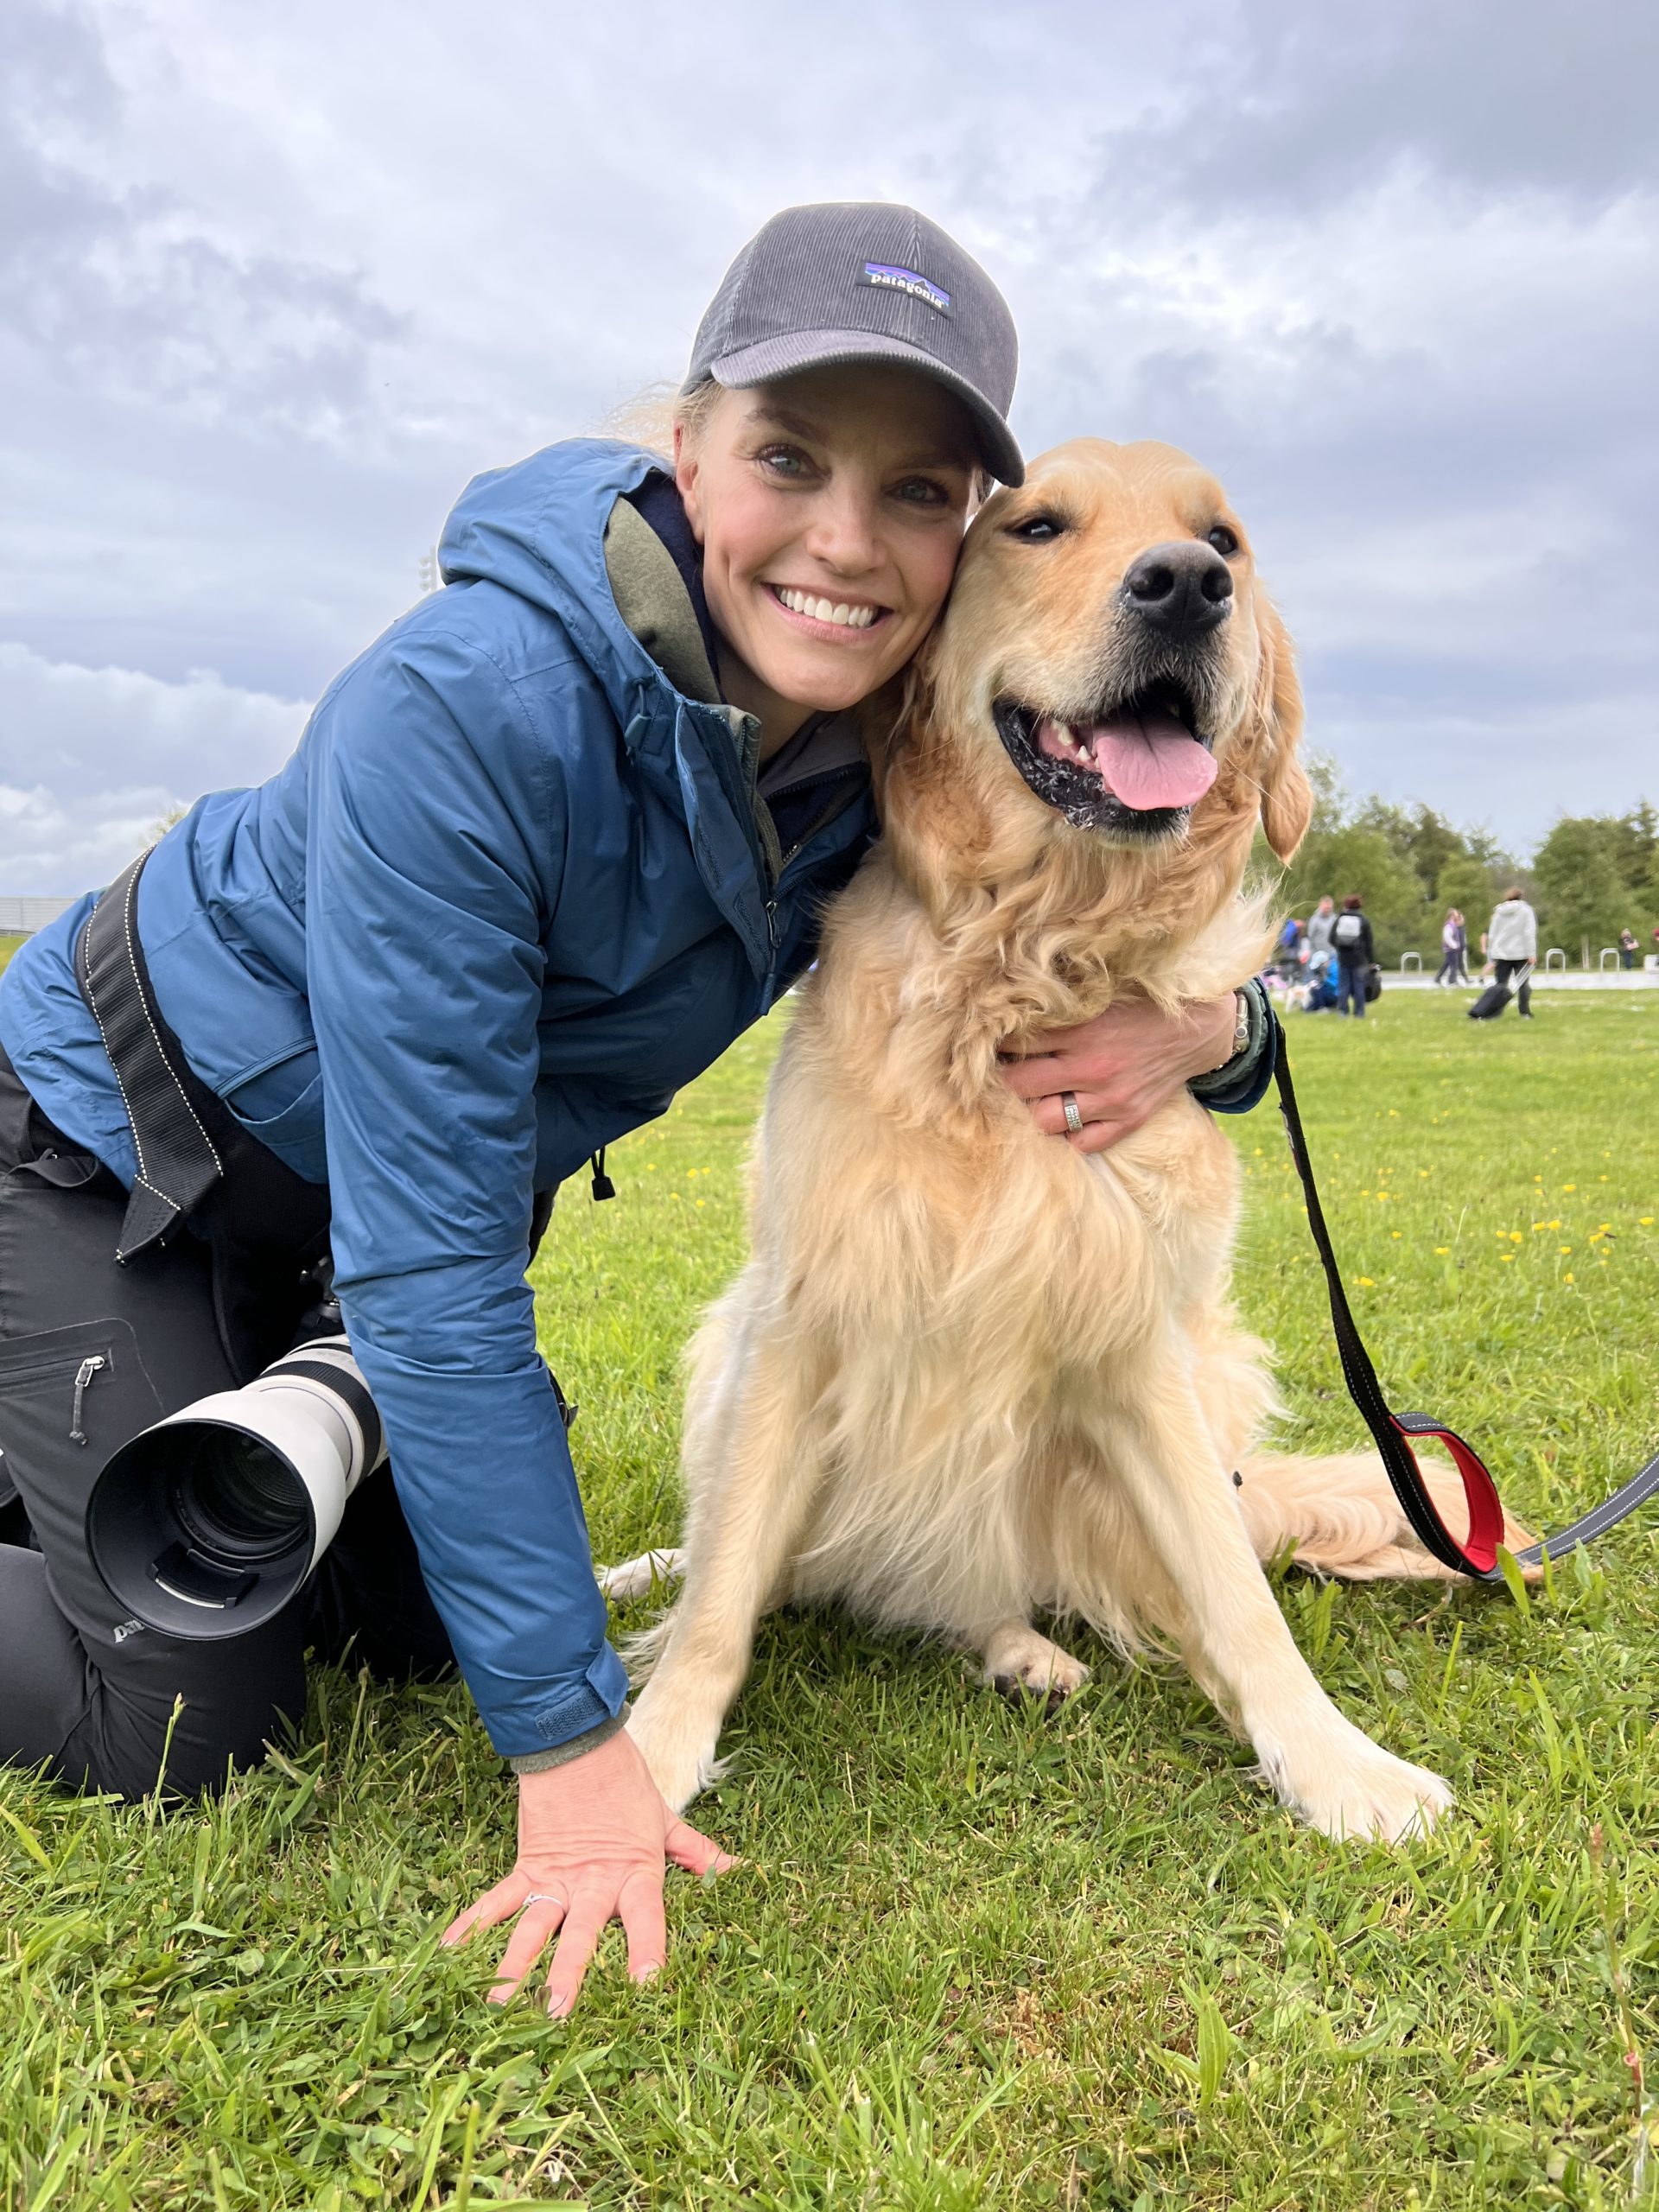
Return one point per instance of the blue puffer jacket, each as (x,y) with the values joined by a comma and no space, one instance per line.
(511,891)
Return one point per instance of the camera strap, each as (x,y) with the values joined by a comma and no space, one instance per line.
(178,1161)
(266,1227)
(1477,1555)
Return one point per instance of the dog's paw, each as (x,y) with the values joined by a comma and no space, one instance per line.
(637,1577)
(1020,1665)
(1360,1792)
(680,1753)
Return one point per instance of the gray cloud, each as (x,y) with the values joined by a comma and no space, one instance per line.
(283,282)
(126,748)
(126,291)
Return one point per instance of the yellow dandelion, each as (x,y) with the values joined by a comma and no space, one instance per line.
(1569,1186)
(1645,1222)
(1423,1173)
(702,1202)
(1365,1282)
(1563,1249)
(1441,1250)
(1506,1257)
(1515,1236)
(1396,1234)
(1568,1277)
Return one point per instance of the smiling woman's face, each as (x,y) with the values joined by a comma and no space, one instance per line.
(829,507)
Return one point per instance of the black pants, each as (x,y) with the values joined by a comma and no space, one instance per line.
(83,1689)
(1350,985)
(1505,972)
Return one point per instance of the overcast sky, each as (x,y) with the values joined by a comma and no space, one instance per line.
(274,283)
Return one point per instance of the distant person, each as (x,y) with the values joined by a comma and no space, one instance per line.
(1319,987)
(1288,955)
(1320,923)
(1511,944)
(1629,946)
(1355,952)
(1452,943)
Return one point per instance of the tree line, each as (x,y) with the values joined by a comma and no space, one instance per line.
(1592,876)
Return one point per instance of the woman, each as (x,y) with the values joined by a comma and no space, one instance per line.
(1354,951)
(1451,947)
(545,850)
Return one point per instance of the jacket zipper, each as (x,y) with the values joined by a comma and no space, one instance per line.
(94,1364)
(826,814)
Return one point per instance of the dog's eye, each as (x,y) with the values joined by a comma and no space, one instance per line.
(1224,540)
(1037,529)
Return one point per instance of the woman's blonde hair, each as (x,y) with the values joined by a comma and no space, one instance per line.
(651,417)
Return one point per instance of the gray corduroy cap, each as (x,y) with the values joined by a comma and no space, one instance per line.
(865,281)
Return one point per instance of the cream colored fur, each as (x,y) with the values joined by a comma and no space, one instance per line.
(971,1375)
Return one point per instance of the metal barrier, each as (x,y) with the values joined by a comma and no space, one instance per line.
(1555,958)
(1608,952)
(1407,960)
(23,917)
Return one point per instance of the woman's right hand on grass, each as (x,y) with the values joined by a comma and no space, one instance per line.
(595,1838)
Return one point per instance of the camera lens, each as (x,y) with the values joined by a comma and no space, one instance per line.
(237,1502)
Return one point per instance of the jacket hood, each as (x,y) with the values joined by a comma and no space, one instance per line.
(537,528)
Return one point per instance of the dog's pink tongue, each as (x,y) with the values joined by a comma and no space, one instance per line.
(1151,760)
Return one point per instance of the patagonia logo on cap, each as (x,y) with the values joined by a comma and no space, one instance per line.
(892,278)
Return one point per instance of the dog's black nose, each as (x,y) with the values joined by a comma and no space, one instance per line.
(1181,588)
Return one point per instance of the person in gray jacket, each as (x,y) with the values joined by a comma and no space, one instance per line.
(1512,945)
(1321,927)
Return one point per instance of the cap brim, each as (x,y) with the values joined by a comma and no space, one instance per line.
(822,349)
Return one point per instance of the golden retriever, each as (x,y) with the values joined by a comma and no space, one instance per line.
(971,1374)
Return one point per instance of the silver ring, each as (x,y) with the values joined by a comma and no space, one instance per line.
(1069,1107)
(541,1896)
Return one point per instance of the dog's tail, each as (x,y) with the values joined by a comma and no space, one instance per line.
(1342,1518)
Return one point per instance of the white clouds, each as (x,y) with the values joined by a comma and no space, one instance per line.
(90,758)
(287,278)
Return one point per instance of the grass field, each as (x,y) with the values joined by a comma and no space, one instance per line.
(972,1957)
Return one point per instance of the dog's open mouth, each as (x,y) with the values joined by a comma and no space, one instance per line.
(1137,766)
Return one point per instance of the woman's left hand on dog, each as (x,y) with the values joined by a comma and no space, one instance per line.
(1121,1067)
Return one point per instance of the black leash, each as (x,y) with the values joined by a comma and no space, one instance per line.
(1478,1556)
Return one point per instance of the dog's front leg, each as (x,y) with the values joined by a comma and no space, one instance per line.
(748,1505)
(1324,1768)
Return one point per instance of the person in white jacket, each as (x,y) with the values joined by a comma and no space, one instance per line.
(1512,945)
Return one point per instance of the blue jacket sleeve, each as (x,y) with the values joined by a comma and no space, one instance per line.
(436,823)
(1240,1085)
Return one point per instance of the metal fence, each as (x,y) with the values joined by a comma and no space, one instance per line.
(23,917)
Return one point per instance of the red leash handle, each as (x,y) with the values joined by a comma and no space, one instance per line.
(1476,1555)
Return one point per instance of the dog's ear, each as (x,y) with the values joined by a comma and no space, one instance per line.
(889,721)
(1287,795)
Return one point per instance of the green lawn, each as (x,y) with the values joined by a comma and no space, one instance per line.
(972,1957)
